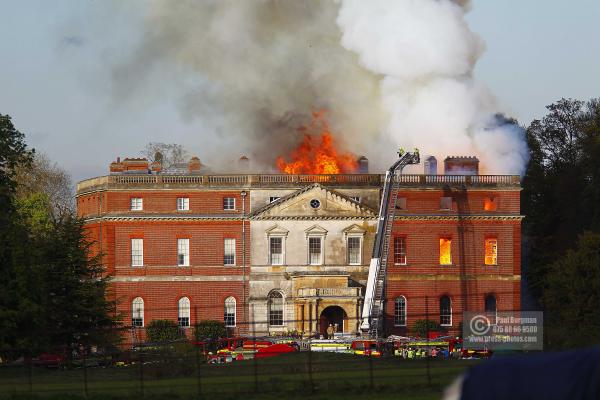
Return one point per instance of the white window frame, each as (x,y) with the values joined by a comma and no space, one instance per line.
(270,304)
(136,204)
(394,250)
(405,310)
(225,240)
(230,301)
(282,237)
(322,255)
(183,312)
(137,312)
(226,205)
(183,249)
(360,248)
(273,199)
(183,204)
(137,244)
(440,305)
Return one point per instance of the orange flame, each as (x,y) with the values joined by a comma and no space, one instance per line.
(317,153)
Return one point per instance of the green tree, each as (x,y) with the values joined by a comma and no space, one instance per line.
(572,294)
(53,290)
(561,185)
(13,237)
(210,329)
(42,176)
(163,330)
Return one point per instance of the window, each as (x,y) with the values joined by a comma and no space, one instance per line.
(314,251)
(183,252)
(445,251)
(273,198)
(445,311)
(275,308)
(446,203)
(229,317)
(137,312)
(400,311)
(137,252)
(276,250)
(183,316)
(354,250)
(229,251)
(400,250)
(490,308)
(228,203)
(490,204)
(136,204)
(401,203)
(491,251)
(314,203)
(183,203)
(355,198)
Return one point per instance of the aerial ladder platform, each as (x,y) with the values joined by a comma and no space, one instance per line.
(372,311)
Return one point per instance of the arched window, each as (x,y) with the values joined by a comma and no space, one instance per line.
(183,316)
(400,311)
(137,312)
(229,318)
(490,308)
(275,308)
(445,311)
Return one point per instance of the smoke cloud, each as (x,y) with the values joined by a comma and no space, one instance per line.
(389,73)
(425,53)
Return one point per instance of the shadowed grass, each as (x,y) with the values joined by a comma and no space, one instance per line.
(334,376)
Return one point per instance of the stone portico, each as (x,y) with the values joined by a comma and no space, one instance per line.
(322,240)
(321,300)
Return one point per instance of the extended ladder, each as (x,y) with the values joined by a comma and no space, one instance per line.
(375,290)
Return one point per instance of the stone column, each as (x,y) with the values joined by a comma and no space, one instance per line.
(310,317)
(316,315)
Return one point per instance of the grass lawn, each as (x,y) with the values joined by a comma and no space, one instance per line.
(297,375)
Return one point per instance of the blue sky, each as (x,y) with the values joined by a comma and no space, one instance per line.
(57,58)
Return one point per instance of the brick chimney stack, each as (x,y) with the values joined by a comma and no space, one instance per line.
(156,167)
(194,165)
(461,165)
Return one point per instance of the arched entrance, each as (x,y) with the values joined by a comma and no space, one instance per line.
(332,315)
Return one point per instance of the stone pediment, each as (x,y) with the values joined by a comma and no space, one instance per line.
(314,202)
(315,230)
(277,231)
(354,229)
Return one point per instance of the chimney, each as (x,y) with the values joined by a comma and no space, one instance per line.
(194,165)
(116,167)
(156,167)
(135,165)
(430,166)
(243,164)
(461,165)
(363,165)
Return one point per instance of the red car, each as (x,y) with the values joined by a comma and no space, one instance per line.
(49,360)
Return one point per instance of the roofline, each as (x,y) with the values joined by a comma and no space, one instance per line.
(258,181)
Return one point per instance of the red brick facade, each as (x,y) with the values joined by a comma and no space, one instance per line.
(105,203)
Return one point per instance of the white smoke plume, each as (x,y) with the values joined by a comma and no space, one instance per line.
(425,53)
(391,73)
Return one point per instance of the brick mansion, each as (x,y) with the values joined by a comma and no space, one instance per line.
(274,253)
